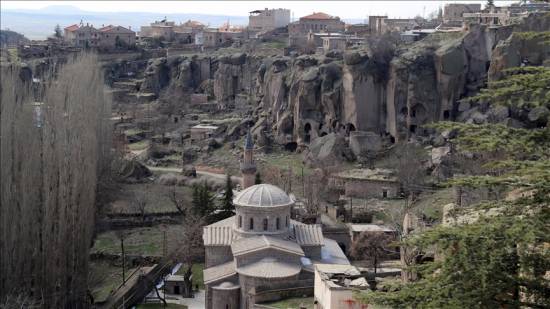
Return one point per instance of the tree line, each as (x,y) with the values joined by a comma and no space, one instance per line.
(55,146)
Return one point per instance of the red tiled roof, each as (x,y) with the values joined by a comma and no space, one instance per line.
(318,15)
(106,28)
(72,28)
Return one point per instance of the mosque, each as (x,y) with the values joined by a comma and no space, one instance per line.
(260,246)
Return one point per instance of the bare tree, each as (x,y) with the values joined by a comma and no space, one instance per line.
(140,203)
(53,150)
(178,202)
(189,247)
(373,248)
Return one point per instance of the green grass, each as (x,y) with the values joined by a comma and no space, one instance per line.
(139,241)
(139,145)
(133,131)
(273,45)
(158,199)
(292,303)
(104,278)
(197,274)
(431,205)
(160,306)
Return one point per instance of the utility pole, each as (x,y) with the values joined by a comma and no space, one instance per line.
(303,185)
(123,260)
(350,209)
(164,253)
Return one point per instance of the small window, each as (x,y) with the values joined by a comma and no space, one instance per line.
(265,224)
(286,221)
(278,223)
(251,227)
(384,193)
(240,221)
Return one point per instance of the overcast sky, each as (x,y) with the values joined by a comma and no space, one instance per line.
(344,9)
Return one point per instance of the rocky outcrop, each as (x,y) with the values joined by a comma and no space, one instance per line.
(235,74)
(521,48)
(328,150)
(298,99)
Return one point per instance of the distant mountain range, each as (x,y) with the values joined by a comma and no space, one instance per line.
(39,24)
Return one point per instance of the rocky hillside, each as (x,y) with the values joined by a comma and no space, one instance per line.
(298,98)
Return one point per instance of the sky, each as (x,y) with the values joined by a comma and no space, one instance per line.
(343,9)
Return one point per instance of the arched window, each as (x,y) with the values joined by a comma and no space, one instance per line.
(251,223)
(240,221)
(277,223)
(265,224)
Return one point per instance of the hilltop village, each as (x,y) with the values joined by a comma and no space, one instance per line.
(286,163)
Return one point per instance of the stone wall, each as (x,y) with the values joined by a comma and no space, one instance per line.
(370,188)
(217,255)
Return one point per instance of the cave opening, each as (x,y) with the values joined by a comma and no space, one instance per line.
(307,135)
(291,146)
(349,128)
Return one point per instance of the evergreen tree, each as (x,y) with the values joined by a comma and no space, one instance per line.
(258,179)
(493,254)
(227,206)
(490,3)
(57,32)
(202,200)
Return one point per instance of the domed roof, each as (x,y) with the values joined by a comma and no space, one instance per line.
(227,284)
(262,195)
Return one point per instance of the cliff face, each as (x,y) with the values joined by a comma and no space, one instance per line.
(298,99)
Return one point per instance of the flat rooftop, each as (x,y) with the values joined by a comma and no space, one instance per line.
(376,174)
(369,228)
(204,127)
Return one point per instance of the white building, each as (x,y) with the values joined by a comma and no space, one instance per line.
(268,19)
(334,285)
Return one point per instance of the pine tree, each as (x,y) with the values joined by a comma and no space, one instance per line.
(492,254)
(57,32)
(227,206)
(202,200)
(490,3)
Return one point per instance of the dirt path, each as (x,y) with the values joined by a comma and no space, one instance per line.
(174,169)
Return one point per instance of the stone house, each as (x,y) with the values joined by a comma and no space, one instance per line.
(202,131)
(357,228)
(334,43)
(86,37)
(397,25)
(375,23)
(211,38)
(452,12)
(185,32)
(316,22)
(335,284)
(174,284)
(117,37)
(366,183)
(69,33)
(163,28)
(268,19)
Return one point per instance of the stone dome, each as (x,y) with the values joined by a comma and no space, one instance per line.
(262,195)
(226,285)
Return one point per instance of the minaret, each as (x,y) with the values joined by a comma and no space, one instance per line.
(248,167)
